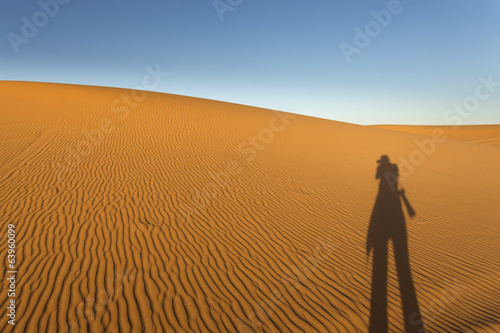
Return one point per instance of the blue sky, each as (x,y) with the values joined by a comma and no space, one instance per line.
(284,55)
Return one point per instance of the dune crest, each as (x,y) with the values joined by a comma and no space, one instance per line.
(482,134)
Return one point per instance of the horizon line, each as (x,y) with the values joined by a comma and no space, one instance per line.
(249,105)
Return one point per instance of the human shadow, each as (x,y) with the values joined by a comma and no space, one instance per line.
(388,223)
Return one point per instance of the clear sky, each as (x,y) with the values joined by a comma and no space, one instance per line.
(299,56)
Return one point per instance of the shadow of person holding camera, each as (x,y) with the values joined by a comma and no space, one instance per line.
(388,223)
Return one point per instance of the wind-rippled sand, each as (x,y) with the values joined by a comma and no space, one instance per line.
(149,212)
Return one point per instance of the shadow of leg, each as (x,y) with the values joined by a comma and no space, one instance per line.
(378,306)
(411,311)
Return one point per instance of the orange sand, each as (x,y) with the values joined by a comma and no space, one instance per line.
(160,214)
(483,134)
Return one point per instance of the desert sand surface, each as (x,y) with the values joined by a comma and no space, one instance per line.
(151,212)
(482,134)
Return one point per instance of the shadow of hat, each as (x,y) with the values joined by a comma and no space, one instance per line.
(384,159)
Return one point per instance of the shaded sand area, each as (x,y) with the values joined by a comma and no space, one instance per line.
(149,212)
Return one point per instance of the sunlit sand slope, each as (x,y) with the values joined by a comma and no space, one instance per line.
(149,212)
(483,134)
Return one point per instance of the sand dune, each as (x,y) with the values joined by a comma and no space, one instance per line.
(149,212)
(483,134)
